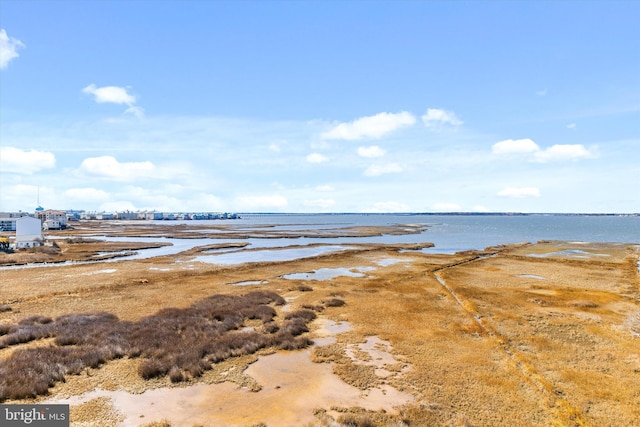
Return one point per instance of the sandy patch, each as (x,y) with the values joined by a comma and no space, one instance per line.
(292,387)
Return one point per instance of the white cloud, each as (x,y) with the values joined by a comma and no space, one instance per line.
(20,195)
(8,48)
(118,206)
(370,126)
(376,170)
(115,95)
(387,207)
(274,147)
(317,158)
(86,195)
(110,94)
(138,193)
(572,126)
(515,146)
(110,167)
(159,198)
(480,208)
(560,152)
(135,110)
(20,161)
(519,192)
(447,207)
(167,198)
(435,116)
(223,159)
(371,152)
(542,92)
(208,202)
(320,203)
(261,202)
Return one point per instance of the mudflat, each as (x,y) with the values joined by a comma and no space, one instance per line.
(533,334)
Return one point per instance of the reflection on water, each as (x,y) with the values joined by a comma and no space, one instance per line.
(573,253)
(250,282)
(378,353)
(105,271)
(531,276)
(391,261)
(330,327)
(240,257)
(449,233)
(329,273)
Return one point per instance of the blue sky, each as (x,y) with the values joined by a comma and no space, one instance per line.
(320,106)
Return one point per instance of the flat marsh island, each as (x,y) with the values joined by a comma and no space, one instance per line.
(529,334)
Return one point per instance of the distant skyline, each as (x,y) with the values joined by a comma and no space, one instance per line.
(312,106)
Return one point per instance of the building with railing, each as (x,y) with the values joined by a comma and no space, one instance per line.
(52,219)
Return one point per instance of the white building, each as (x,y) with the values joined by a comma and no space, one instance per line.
(51,224)
(28,232)
(55,220)
(150,215)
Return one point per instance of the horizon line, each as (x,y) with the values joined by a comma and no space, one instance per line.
(345,212)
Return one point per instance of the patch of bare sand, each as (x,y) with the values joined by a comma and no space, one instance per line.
(292,387)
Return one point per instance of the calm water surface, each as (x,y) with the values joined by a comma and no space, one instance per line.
(449,233)
(452,233)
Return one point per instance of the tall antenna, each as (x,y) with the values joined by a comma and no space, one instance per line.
(39,208)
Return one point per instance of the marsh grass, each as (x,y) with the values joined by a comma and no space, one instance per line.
(468,328)
(359,376)
(48,250)
(181,343)
(360,417)
(350,420)
(161,423)
(582,304)
(315,307)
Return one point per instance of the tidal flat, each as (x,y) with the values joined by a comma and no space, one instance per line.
(533,334)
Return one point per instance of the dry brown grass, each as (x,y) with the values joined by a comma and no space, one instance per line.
(96,412)
(73,249)
(510,351)
(161,423)
(180,343)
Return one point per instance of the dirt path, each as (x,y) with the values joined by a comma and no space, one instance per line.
(563,412)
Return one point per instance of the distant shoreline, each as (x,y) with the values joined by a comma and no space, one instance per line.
(441,213)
